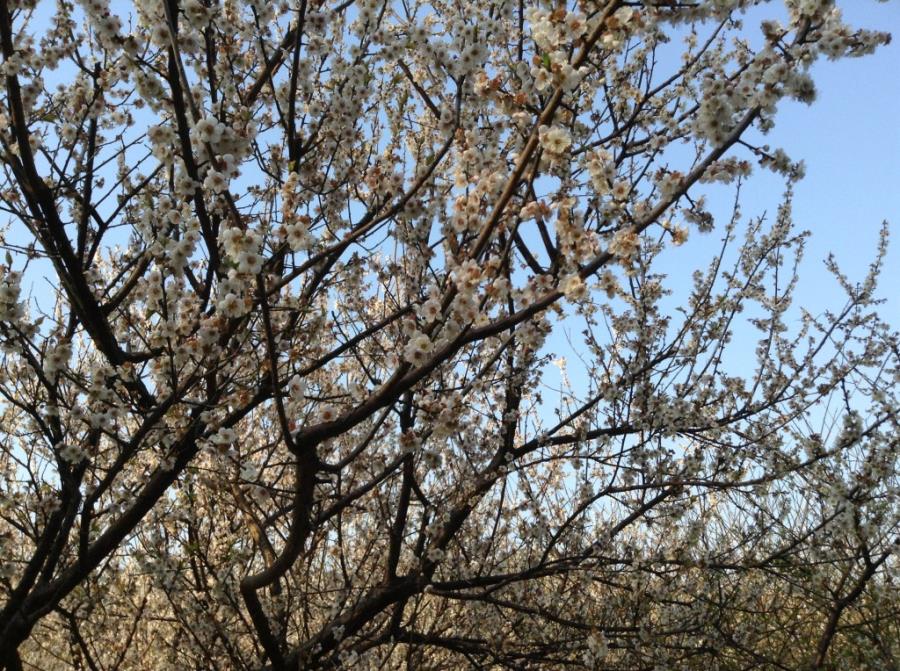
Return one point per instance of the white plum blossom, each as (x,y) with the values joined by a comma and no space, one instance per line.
(215,181)
(555,140)
(208,130)
(418,348)
(372,335)
(430,310)
(573,287)
(57,358)
(231,306)
(625,244)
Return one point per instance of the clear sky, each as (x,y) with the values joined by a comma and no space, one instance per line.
(850,141)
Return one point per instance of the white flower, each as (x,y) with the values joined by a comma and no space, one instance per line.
(196,13)
(11,309)
(679,235)
(68,133)
(56,359)
(298,237)
(161,135)
(71,453)
(208,130)
(215,181)
(223,438)
(571,77)
(429,311)
(465,308)
(249,263)
(328,413)
(622,17)
(418,348)
(434,555)
(554,140)
(297,388)
(609,284)
(542,77)
(620,190)
(231,306)
(625,243)
(574,287)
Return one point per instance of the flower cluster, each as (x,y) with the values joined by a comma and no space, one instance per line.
(71,453)
(56,359)
(11,309)
(575,242)
(602,170)
(625,244)
(294,227)
(243,247)
(418,348)
(574,287)
(106,25)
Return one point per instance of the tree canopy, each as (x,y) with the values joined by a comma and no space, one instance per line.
(345,335)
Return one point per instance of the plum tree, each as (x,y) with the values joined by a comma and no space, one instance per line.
(284,291)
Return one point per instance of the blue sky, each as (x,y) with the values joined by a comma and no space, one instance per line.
(850,141)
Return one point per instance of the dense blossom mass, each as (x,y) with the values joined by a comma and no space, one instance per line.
(339,335)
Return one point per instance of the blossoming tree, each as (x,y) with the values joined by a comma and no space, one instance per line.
(283,287)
